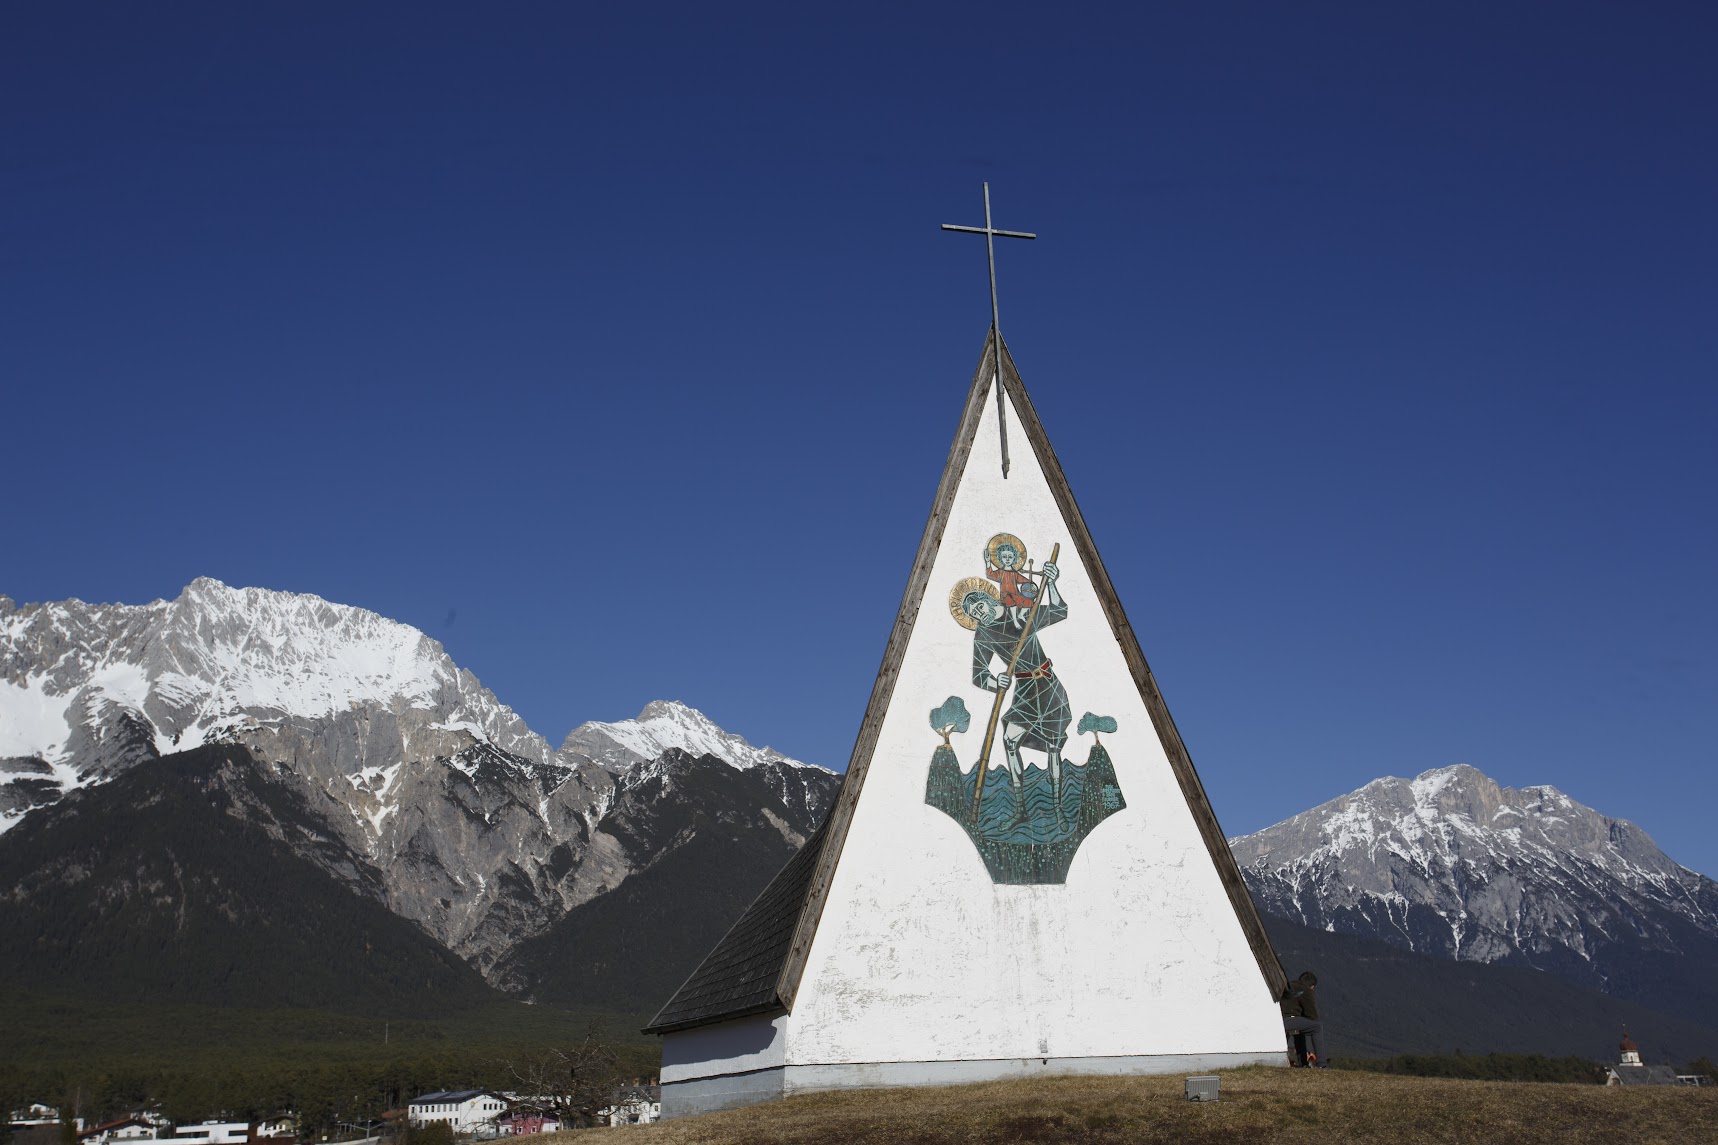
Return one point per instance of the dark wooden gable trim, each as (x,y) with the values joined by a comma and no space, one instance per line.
(1179,761)
(841,815)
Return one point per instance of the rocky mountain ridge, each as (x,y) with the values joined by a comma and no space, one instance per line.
(622,854)
(1453,864)
(479,831)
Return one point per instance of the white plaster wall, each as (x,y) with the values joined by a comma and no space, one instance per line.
(738,1046)
(920,957)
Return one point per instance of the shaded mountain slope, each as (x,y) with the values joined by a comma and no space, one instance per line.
(695,829)
(199,877)
(1378,999)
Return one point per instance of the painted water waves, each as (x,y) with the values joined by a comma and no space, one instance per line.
(1038,846)
(1028,817)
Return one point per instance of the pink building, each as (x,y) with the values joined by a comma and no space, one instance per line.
(515,1124)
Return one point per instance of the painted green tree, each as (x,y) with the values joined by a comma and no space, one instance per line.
(950,716)
(1096,724)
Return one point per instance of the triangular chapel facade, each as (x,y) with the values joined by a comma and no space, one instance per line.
(1077,912)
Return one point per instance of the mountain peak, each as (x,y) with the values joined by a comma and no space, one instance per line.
(661,725)
(208,594)
(1454,863)
(1438,778)
(1460,789)
(671,710)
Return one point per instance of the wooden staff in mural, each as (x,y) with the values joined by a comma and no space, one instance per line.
(1007,680)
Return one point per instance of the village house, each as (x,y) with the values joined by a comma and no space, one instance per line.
(464,1110)
(152,1127)
(211,1133)
(149,1126)
(633,1104)
(231,1132)
(37,1114)
(522,1121)
(137,1127)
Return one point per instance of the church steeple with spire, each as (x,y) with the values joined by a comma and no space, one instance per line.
(1016,903)
(1632,1070)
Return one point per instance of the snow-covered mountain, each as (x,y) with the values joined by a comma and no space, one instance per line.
(1452,864)
(663,724)
(480,831)
(87,690)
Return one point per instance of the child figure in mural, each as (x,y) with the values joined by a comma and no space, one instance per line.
(1039,716)
(1004,557)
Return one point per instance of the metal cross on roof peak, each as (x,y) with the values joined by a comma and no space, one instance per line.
(990,232)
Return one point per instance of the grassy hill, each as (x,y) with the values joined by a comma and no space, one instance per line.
(1259,1106)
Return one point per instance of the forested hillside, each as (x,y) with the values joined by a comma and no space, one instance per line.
(196,1061)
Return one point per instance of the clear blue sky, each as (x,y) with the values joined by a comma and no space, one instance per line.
(617,347)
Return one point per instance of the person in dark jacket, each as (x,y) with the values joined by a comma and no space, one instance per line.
(1300,1017)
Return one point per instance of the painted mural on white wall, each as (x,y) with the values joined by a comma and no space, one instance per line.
(1028,817)
(1078,856)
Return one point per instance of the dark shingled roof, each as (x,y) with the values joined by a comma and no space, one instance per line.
(1644,1075)
(739,977)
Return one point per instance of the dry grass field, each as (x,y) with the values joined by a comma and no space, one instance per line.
(1274,1106)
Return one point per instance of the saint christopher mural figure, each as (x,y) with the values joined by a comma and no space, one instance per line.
(1026,820)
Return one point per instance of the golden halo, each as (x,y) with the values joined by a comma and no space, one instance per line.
(998,541)
(958,594)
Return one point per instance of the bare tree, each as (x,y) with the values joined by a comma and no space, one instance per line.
(572,1082)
